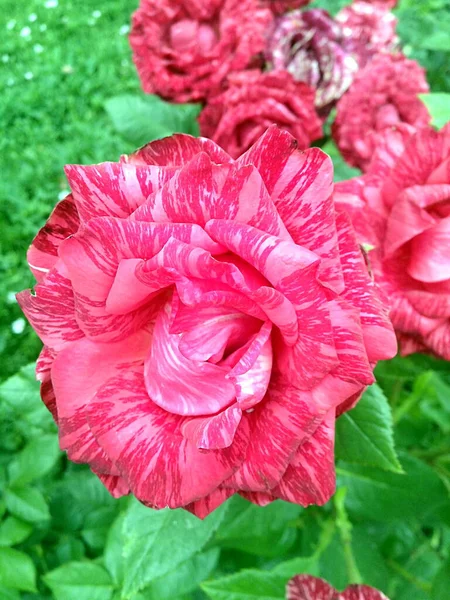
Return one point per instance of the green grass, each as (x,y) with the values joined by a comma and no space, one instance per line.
(54,83)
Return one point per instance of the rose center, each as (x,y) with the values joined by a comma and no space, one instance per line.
(387,116)
(187,34)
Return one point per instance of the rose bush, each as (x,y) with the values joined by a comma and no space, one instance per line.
(402,208)
(307,587)
(384,93)
(368,28)
(204,322)
(184,50)
(309,44)
(253,101)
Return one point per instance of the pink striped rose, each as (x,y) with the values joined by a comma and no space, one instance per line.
(307,587)
(204,322)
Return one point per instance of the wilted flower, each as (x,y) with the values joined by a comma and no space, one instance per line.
(309,44)
(307,587)
(368,28)
(183,50)
(384,93)
(401,207)
(204,322)
(253,101)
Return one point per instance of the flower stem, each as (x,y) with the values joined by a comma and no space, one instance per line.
(345,530)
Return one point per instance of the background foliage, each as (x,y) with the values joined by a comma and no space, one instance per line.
(70,95)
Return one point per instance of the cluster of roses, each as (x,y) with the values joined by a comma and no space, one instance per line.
(256,62)
(207,314)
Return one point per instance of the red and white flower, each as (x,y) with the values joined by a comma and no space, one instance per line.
(307,587)
(184,50)
(204,322)
(279,7)
(401,207)
(384,93)
(252,102)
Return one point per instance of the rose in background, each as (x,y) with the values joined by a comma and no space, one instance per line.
(368,28)
(184,50)
(278,7)
(383,94)
(205,320)
(252,102)
(401,206)
(309,44)
(307,587)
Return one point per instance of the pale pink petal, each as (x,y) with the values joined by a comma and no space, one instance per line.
(432,304)
(430,253)
(178,384)
(176,151)
(161,466)
(408,218)
(216,432)
(301,187)
(43,253)
(310,477)
(113,189)
(307,587)
(78,371)
(51,310)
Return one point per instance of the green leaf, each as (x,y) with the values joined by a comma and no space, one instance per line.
(365,436)
(265,531)
(384,496)
(156,541)
(13,531)
(37,458)
(247,585)
(27,503)
(113,555)
(342,171)
(9,594)
(142,119)
(184,579)
(438,104)
(17,570)
(96,526)
(80,581)
(441,583)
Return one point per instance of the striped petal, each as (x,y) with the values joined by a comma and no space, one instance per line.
(301,187)
(78,371)
(146,443)
(216,432)
(307,587)
(310,477)
(51,309)
(203,507)
(43,253)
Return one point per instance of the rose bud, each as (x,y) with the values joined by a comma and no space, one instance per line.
(184,50)
(205,320)
(253,101)
(385,93)
(401,207)
(307,587)
(308,44)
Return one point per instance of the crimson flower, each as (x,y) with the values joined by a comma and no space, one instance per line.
(204,322)
(307,587)
(385,93)
(184,50)
(279,7)
(310,45)
(402,208)
(253,101)
(368,29)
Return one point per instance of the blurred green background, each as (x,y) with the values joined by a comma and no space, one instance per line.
(60,62)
